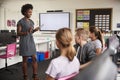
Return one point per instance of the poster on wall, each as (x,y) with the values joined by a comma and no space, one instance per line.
(99,17)
(102,21)
(83,15)
(79,24)
(11,23)
(86,25)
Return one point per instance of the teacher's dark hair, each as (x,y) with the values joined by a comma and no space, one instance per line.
(26,7)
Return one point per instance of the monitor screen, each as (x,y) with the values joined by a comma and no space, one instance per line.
(53,21)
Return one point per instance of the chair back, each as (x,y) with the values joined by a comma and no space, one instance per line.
(69,77)
(11,50)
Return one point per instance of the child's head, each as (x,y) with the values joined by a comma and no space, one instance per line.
(81,35)
(95,33)
(64,41)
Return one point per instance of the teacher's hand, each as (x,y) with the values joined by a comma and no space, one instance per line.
(37,28)
(30,30)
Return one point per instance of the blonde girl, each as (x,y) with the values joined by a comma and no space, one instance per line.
(66,63)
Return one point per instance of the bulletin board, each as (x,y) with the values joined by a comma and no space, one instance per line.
(99,17)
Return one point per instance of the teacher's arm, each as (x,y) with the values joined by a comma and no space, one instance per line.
(36,29)
(19,31)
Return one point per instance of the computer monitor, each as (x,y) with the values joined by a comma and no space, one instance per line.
(53,21)
(7,38)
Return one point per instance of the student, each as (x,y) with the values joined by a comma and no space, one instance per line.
(25,28)
(85,52)
(67,63)
(96,37)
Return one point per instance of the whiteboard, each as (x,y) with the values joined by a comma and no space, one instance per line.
(54,21)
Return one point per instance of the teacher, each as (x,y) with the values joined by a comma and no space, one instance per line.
(25,29)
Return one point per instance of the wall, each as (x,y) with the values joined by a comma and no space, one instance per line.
(41,6)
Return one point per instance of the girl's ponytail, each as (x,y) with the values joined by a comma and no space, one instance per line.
(64,37)
(100,37)
(71,53)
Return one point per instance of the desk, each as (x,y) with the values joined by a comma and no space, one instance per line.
(38,41)
(42,44)
(118,76)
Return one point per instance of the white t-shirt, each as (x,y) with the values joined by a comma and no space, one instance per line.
(61,66)
(96,44)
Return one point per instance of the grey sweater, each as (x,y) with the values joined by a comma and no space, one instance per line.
(85,53)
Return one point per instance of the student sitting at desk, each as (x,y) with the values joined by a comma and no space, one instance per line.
(67,63)
(85,53)
(97,41)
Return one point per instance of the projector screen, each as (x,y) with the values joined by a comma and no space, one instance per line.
(53,21)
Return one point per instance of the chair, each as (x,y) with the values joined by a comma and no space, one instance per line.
(10,52)
(69,77)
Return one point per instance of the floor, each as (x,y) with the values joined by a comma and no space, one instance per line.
(17,71)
